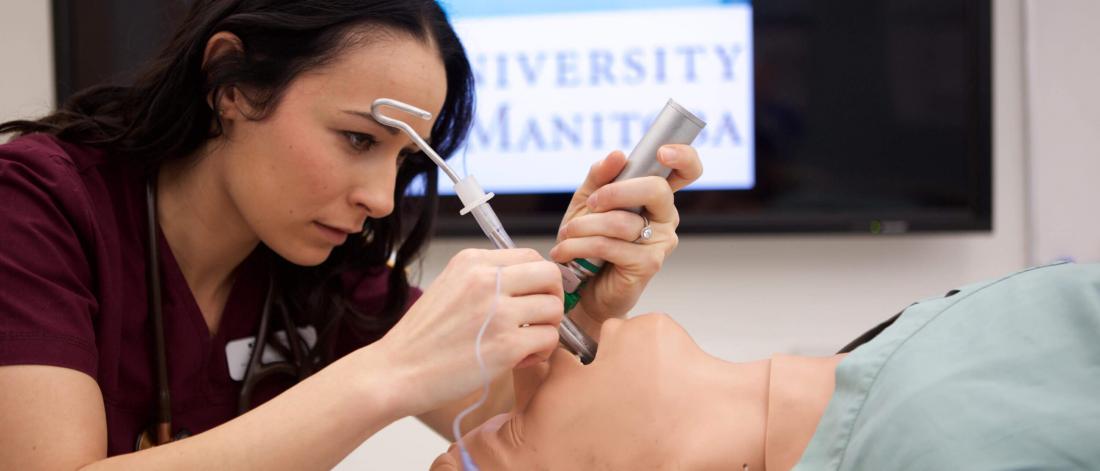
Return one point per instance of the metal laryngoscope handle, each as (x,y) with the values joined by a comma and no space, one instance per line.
(673,125)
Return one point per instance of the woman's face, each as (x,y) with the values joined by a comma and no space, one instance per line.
(309,175)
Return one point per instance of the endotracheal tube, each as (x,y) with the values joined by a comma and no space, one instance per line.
(476,201)
(469,191)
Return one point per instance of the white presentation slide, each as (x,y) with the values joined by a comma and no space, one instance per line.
(562,83)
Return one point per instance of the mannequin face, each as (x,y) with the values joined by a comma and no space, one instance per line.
(645,402)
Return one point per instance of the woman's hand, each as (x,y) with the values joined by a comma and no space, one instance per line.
(595,226)
(432,347)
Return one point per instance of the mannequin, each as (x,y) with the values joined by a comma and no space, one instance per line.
(946,386)
(654,400)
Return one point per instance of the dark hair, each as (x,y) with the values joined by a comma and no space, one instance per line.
(165,115)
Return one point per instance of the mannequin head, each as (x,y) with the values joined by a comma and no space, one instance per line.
(651,399)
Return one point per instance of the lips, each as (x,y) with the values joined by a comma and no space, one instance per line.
(333,235)
(339,229)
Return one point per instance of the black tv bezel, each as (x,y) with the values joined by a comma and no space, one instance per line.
(545,222)
(979,218)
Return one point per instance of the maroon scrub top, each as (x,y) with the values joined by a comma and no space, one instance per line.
(73,294)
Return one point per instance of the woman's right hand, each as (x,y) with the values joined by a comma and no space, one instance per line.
(431,348)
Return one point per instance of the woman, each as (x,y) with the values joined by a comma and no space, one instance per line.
(271,190)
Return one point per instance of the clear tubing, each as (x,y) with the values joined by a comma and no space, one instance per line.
(467,461)
(491,226)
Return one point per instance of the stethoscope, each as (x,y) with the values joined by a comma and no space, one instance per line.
(298,367)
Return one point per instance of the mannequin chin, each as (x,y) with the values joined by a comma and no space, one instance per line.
(652,399)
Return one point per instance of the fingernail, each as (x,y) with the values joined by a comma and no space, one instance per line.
(592,201)
(667,155)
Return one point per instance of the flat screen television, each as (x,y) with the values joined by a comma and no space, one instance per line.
(859,116)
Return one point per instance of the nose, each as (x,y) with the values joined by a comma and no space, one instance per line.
(374,190)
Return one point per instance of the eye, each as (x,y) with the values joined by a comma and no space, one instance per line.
(359,141)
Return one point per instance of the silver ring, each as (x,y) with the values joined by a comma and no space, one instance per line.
(646,232)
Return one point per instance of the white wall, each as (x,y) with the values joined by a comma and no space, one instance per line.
(1064,155)
(747,297)
(26,59)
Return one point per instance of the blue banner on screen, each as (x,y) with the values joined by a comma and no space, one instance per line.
(560,83)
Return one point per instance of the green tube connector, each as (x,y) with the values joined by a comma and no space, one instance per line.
(571,299)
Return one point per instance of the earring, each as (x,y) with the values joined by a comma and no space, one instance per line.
(368,234)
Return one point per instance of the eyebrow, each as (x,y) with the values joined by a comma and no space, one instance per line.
(411,148)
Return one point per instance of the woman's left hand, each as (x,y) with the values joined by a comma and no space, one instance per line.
(595,226)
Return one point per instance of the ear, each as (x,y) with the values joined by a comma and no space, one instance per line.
(225,102)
